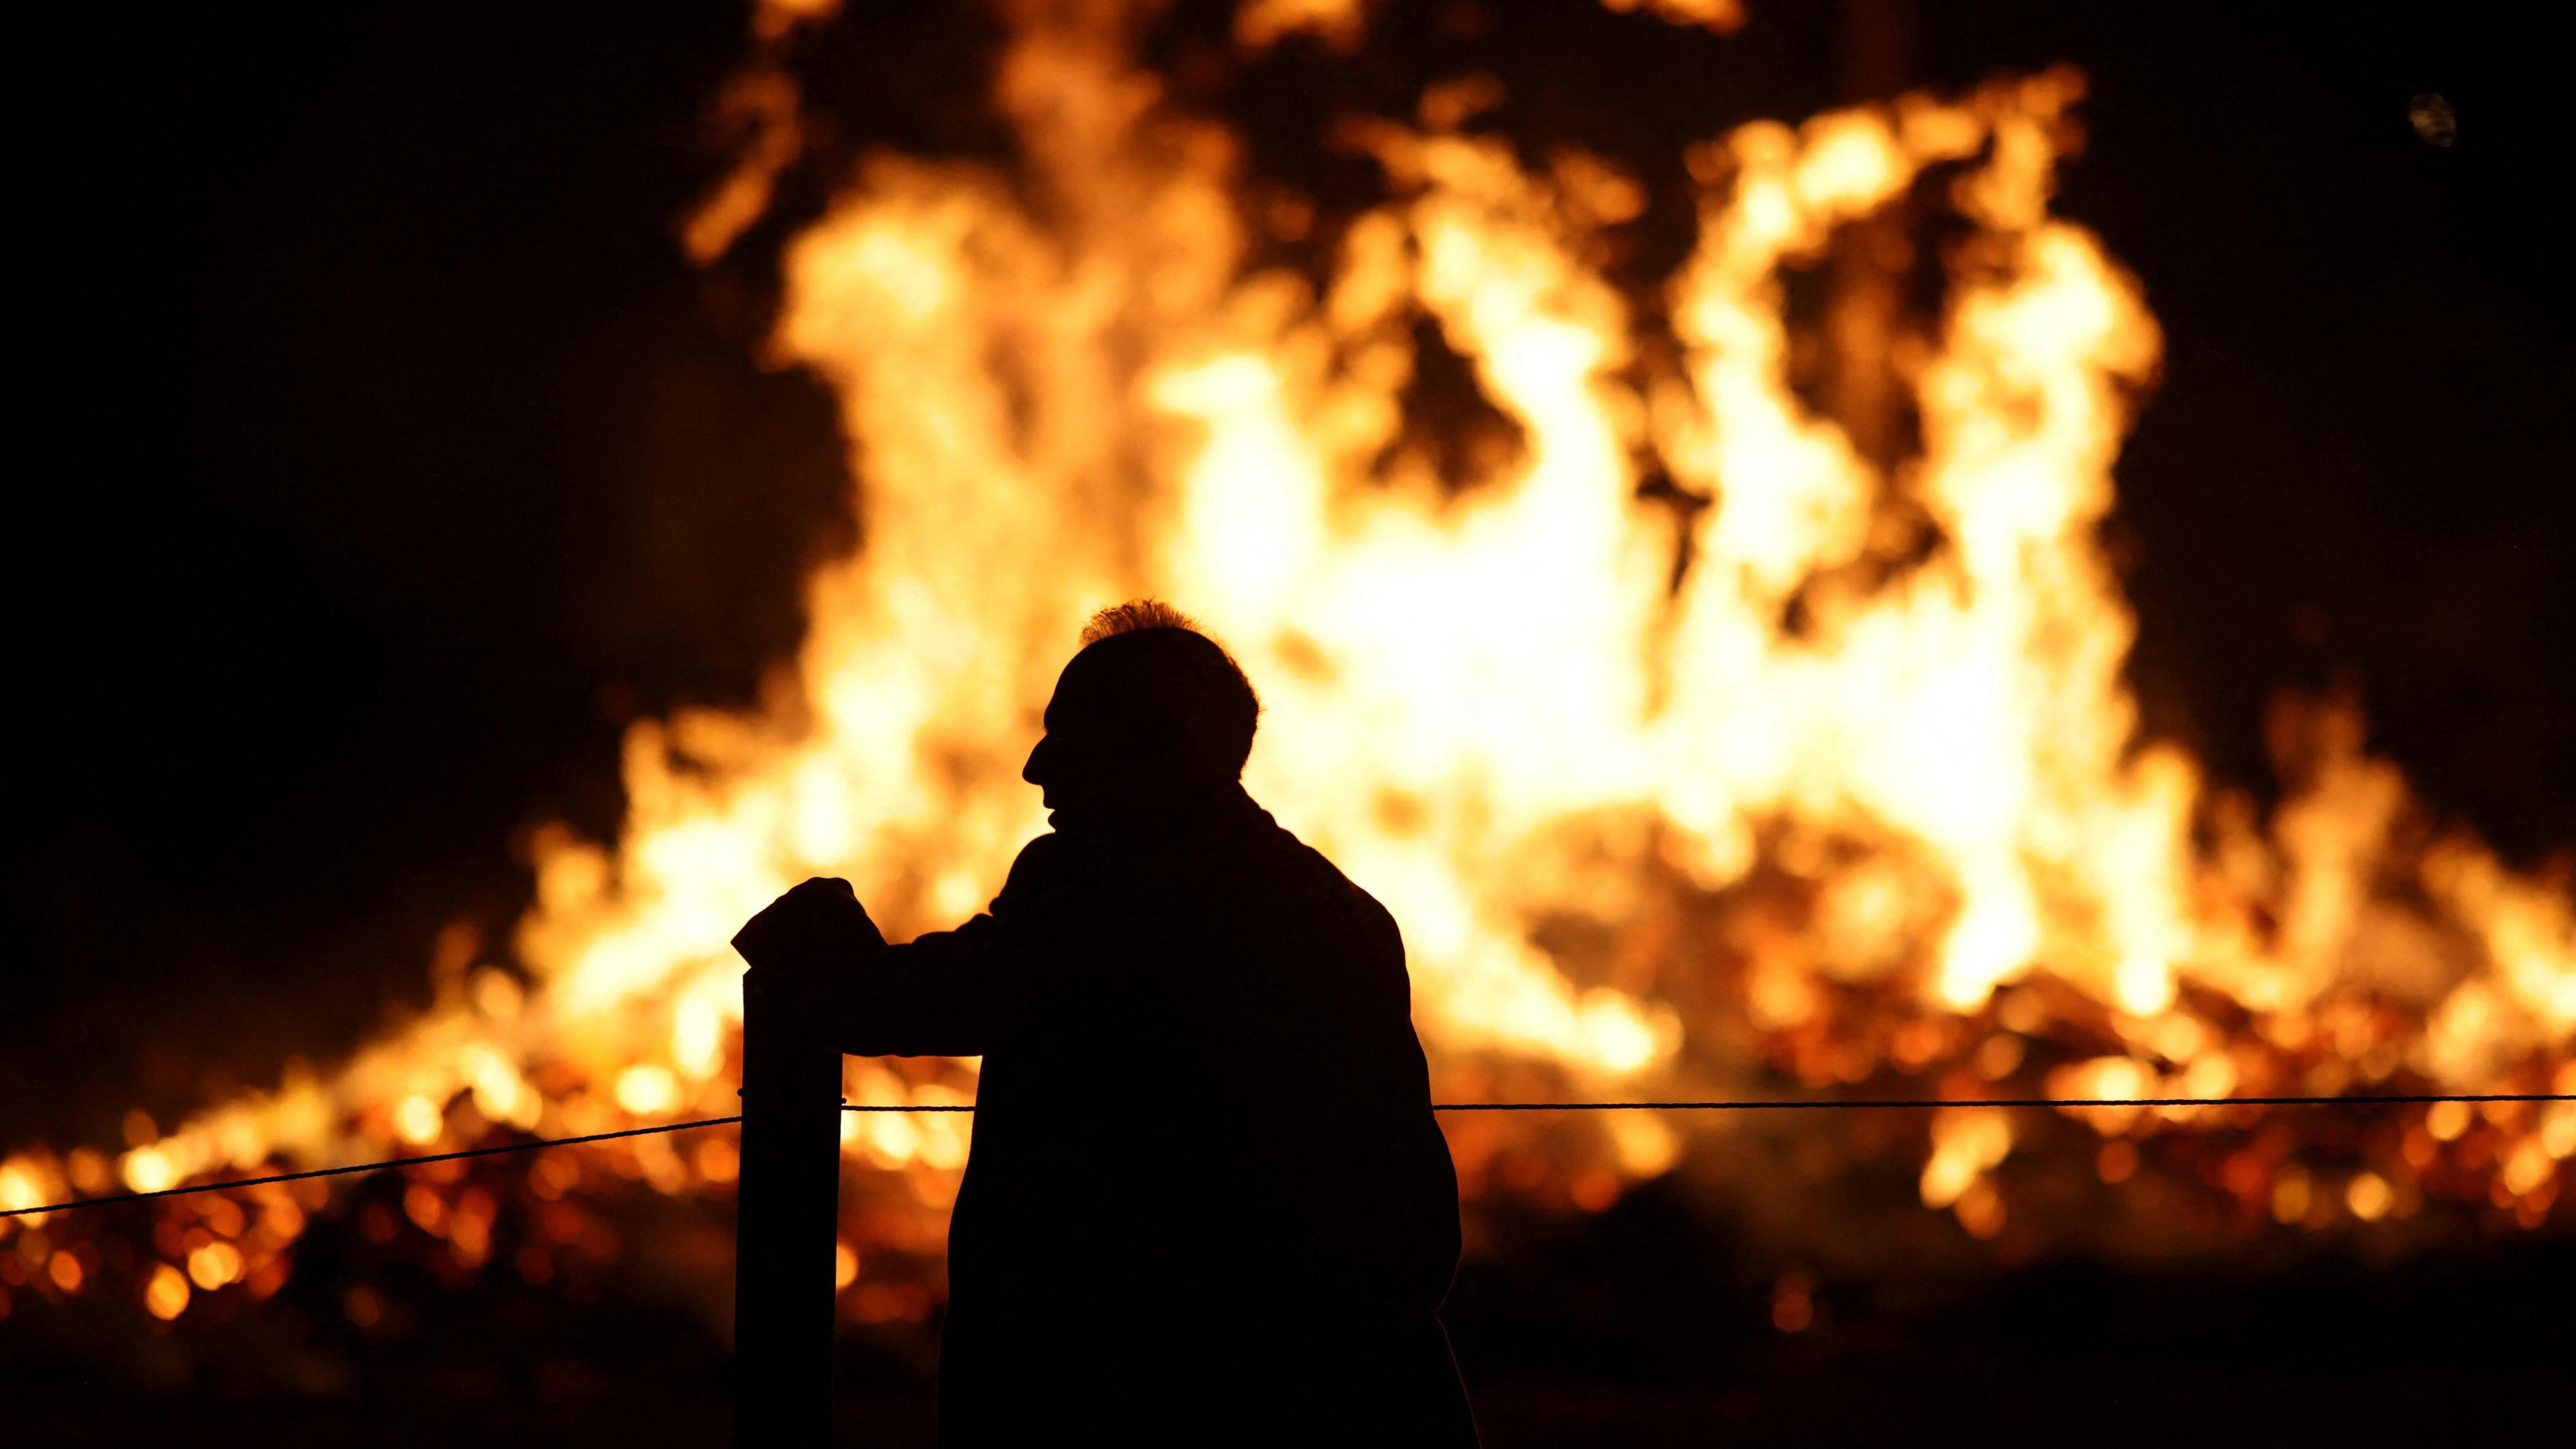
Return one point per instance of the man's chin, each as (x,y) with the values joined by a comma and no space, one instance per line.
(1078,821)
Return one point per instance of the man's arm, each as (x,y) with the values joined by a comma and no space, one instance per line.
(932,998)
(941,995)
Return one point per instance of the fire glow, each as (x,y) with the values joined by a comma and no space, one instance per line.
(1830,778)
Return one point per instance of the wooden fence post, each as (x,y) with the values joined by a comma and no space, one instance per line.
(787,1204)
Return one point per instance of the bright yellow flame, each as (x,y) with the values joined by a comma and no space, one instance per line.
(418,1121)
(214,1265)
(2528,1166)
(148,1169)
(647,1090)
(2447,1120)
(1723,16)
(1966,1141)
(165,1292)
(21,1188)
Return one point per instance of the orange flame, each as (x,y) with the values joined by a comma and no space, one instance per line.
(1892,701)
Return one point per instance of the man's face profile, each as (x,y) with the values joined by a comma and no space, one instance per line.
(1087,762)
(1147,729)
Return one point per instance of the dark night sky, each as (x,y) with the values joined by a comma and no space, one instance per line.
(389,455)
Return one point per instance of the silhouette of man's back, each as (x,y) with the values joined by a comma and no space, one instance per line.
(1207,1202)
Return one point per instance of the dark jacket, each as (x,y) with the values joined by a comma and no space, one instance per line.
(1207,1201)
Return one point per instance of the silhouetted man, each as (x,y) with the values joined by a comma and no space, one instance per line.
(1207,1202)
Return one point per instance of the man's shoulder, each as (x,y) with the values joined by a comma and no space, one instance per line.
(1321,886)
(1037,874)
(1043,853)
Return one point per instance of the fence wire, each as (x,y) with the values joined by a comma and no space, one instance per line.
(1755,1104)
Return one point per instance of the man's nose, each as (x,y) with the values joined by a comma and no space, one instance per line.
(1035,770)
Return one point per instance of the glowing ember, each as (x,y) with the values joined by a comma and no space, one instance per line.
(1834,779)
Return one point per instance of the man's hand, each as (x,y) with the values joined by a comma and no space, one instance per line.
(809,939)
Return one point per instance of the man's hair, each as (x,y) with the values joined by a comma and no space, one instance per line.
(1188,684)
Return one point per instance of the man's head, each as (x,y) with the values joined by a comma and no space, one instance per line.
(1150,718)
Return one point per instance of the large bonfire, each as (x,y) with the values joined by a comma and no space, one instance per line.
(1697,753)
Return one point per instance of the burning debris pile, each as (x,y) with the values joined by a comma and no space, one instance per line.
(1697,752)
